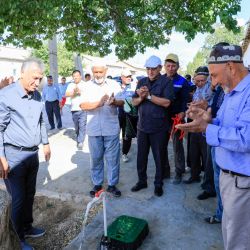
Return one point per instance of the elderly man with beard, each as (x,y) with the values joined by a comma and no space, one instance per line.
(229,132)
(99,100)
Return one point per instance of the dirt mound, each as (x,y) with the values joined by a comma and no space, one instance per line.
(62,221)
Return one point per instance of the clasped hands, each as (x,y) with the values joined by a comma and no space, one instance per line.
(200,116)
(143,92)
(110,100)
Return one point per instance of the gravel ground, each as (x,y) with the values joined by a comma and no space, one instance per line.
(65,222)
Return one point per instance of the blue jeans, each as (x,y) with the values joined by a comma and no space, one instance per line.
(80,120)
(219,209)
(108,148)
(51,109)
(21,185)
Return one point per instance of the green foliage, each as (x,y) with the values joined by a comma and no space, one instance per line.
(65,58)
(221,34)
(94,25)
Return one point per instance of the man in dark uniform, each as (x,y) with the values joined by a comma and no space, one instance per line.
(22,129)
(178,108)
(153,96)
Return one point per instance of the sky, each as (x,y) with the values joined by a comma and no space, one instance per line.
(185,50)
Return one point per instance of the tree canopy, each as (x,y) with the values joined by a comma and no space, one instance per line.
(95,25)
(221,34)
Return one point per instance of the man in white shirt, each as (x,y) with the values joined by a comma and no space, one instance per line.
(78,115)
(98,99)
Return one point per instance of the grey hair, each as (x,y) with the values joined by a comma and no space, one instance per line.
(99,63)
(30,62)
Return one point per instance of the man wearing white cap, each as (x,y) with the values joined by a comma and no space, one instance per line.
(100,102)
(153,96)
(127,113)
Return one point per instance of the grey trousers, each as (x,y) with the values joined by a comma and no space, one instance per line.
(235,194)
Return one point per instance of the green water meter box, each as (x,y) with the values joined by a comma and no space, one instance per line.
(127,233)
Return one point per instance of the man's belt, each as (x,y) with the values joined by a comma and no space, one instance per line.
(233,173)
(21,148)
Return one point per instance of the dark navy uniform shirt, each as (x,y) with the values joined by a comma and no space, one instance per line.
(181,92)
(21,118)
(154,118)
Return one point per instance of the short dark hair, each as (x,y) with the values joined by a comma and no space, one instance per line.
(221,44)
(64,77)
(76,71)
(50,76)
(87,74)
(188,77)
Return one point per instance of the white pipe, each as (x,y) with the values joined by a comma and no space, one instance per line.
(105,216)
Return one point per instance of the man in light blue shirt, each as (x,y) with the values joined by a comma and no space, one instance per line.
(52,97)
(22,129)
(229,132)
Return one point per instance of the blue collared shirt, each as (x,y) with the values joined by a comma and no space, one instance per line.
(51,93)
(21,118)
(230,131)
(62,88)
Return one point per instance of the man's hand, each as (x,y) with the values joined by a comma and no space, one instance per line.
(47,152)
(111,100)
(103,100)
(143,92)
(4,82)
(203,104)
(201,118)
(181,115)
(4,168)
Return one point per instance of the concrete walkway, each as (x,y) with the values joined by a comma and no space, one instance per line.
(176,220)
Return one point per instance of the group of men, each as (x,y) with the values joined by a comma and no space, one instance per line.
(161,101)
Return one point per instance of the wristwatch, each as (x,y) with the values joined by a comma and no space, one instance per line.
(149,97)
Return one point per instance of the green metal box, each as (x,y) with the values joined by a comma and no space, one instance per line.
(127,233)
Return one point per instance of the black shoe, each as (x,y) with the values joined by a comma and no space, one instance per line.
(95,189)
(114,190)
(192,180)
(177,179)
(52,128)
(212,220)
(205,195)
(158,191)
(138,186)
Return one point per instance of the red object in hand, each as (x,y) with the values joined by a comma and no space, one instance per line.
(177,120)
(97,194)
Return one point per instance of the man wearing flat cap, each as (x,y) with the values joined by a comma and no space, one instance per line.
(178,108)
(153,96)
(229,132)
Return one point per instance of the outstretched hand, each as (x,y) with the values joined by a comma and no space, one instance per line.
(201,118)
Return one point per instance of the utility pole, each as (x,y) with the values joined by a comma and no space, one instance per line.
(53,63)
(78,63)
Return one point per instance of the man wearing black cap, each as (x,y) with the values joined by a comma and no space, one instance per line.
(178,108)
(229,132)
(153,96)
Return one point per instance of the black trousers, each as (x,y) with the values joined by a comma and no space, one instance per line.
(208,180)
(197,154)
(51,109)
(158,144)
(21,185)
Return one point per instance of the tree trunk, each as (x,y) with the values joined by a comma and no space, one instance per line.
(53,64)
(78,63)
(8,237)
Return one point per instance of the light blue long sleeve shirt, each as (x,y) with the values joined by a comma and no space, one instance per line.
(51,93)
(21,118)
(230,131)
(63,88)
